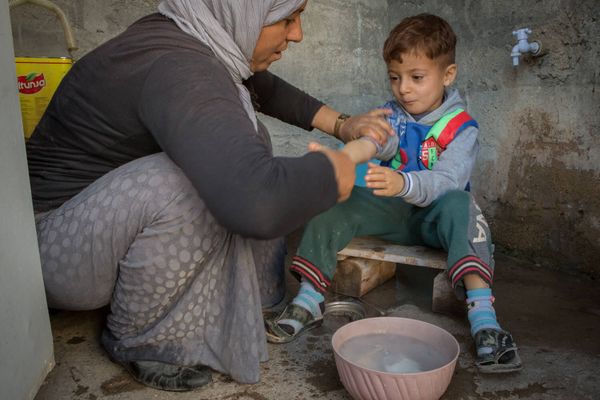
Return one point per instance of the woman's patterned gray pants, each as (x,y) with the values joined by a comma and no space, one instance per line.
(181,288)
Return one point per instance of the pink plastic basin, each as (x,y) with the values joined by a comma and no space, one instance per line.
(369,384)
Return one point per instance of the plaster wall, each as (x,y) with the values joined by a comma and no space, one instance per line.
(339,62)
(540,154)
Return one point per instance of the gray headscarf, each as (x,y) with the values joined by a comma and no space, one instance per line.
(231,29)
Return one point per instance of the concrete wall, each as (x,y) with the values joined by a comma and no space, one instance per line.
(339,62)
(540,158)
(25,338)
(540,155)
(38,33)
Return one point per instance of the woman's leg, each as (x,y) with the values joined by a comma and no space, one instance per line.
(182,289)
(269,258)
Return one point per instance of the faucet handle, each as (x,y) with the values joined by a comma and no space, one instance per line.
(522,33)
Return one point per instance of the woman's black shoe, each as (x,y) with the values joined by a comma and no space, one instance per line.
(170,377)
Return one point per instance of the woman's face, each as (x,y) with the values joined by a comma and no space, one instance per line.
(274,39)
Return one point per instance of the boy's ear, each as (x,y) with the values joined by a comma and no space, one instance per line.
(449,74)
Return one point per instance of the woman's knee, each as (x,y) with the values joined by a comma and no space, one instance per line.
(164,190)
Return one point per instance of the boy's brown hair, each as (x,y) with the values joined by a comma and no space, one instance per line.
(424,33)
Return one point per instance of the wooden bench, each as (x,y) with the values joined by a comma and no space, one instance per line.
(367,262)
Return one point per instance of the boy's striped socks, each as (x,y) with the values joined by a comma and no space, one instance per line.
(481,310)
(309,299)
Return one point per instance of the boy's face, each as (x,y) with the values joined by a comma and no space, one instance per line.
(418,82)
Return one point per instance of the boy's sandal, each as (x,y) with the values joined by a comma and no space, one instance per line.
(290,323)
(496,352)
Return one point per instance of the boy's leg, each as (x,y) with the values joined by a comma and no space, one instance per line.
(455,223)
(326,234)
(316,258)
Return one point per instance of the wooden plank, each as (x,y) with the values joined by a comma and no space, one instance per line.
(376,249)
(357,276)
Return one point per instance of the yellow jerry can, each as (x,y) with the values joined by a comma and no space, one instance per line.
(39,77)
(37,80)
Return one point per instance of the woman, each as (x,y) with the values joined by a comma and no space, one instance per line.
(156,190)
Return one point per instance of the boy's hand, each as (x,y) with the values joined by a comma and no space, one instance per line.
(385,181)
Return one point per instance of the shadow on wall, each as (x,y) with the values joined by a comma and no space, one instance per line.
(549,211)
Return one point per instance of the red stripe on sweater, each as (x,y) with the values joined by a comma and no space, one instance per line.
(448,133)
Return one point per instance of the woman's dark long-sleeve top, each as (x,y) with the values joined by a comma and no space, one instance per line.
(154,88)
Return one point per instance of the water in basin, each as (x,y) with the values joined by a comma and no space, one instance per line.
(394,353)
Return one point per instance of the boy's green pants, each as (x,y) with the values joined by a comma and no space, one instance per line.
(453,222)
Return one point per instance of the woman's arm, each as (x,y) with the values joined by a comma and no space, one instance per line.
(279,99)
(205,130)
(372,124)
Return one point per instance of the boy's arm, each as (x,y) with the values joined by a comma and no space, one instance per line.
(361,150)
(389,149)
(452,171)
(366,148)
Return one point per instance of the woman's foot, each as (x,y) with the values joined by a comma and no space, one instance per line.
(170,377)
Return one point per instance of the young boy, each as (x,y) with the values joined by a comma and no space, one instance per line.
(416,196)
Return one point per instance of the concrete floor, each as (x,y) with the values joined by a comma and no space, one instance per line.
(555,319)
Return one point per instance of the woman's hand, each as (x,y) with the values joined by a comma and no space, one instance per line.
(385,181)
(343,167)
(373,124)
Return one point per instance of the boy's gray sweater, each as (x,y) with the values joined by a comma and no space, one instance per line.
(453,169)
